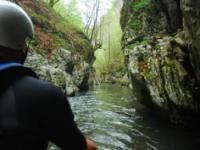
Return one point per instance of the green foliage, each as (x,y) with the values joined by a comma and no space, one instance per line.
(141,4)
(110,59)
(170,64)
(173,36)
(69,18)
(137,43)
(52,2)
(71,24)
(32,42)
(135,24)
(157,47)
(54,29)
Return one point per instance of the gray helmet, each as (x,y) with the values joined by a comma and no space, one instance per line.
(15,26)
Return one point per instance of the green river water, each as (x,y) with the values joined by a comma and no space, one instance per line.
(110,115)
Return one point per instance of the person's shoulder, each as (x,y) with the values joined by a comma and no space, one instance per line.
(29,83)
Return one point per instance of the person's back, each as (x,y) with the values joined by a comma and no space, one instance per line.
(18,129)
(32,112)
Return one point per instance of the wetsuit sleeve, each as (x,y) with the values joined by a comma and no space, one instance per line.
(59,122)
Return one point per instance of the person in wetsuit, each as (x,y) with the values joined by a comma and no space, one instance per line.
(32,112)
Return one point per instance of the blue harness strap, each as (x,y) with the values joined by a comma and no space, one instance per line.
(5,66)
(18,67)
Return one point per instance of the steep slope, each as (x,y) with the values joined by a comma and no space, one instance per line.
(59,51)
(161,48)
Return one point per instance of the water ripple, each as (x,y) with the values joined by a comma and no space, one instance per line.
(108,116)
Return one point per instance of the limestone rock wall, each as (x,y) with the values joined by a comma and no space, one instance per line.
(59,53)
(161,48)
(61,70)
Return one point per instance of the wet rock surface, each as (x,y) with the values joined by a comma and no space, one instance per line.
(161,49)
(59,69)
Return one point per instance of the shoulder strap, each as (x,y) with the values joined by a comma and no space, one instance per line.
(11,72)
(18,68)
(4,66)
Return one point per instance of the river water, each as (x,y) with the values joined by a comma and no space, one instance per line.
(110,115)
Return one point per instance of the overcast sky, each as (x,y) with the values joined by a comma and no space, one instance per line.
(105,5)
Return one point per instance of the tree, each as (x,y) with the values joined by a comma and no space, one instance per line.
(110,59)
(70,12)
(53,2)
(92,17)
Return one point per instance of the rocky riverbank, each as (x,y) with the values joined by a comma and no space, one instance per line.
(59,52)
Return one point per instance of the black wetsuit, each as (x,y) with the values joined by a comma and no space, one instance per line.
(33,112)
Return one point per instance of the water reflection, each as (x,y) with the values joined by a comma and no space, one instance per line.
(111,116)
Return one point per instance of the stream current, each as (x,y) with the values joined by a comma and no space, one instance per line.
(111,116)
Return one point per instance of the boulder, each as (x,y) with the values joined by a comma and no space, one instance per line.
(53,69)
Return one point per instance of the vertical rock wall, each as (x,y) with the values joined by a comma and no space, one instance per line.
(58,53)
(161,48)
(191,24)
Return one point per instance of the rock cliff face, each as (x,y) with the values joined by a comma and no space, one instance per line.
(61,70)
(191,22)
(59,52)
(161,45)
